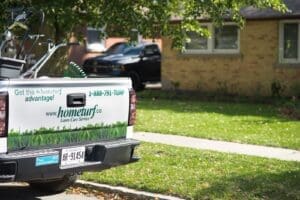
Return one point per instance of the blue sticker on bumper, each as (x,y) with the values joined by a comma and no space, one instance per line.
(46,160)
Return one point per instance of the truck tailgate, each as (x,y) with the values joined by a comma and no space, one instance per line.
(50,112)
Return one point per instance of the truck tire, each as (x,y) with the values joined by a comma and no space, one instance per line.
(54,186)
(136,81)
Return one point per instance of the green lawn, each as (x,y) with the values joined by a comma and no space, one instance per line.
(195,174)
(239,122)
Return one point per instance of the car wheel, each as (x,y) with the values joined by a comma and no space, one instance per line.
(54,186)
(136,81)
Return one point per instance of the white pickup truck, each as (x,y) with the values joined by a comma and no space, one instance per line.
(52,129)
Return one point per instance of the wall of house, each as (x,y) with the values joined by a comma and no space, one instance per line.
(250,73)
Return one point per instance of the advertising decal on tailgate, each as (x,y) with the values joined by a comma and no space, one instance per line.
(42,117)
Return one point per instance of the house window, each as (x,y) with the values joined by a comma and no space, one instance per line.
(289,42)
(197,42)
(95,43)
(223,40)
(226,37)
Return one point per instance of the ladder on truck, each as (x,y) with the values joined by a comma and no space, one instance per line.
(14,58)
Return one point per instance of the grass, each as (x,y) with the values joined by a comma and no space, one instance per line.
(48,137)
(195,174)
(239,122)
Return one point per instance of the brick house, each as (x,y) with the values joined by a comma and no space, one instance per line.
(245,61)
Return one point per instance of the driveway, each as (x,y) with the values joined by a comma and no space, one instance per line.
(21,191)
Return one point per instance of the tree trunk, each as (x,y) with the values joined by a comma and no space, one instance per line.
(57,31)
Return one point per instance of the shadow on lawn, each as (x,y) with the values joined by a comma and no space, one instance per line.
(261,186)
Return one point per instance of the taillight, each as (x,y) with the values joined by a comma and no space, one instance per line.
(3,113)
(132,107)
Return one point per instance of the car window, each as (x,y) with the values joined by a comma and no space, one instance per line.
(151,50)
(117,48)
(156,49)
(133,51)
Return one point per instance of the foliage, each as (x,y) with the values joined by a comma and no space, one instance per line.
(150,18)
(295,88)
(222,88)
(176,85)
(277,88)
(195,174)
(238,122)
(291,108)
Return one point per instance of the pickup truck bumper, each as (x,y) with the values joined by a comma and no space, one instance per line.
(22,165)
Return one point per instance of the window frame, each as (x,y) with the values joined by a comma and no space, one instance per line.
(281,43)
(211,42)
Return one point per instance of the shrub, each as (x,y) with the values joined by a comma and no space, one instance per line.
(277,89)
(291,108)
(295,89)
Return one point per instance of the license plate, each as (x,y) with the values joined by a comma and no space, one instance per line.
(72,156)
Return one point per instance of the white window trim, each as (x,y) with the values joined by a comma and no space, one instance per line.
(281,43)
(211,43)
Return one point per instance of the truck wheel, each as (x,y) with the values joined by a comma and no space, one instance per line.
(54,186)
(136,81)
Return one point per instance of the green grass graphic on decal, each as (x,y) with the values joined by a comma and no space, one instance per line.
(51,137)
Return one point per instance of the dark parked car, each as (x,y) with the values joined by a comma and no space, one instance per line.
(141,63)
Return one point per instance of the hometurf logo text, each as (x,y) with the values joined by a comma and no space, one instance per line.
(78,112)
